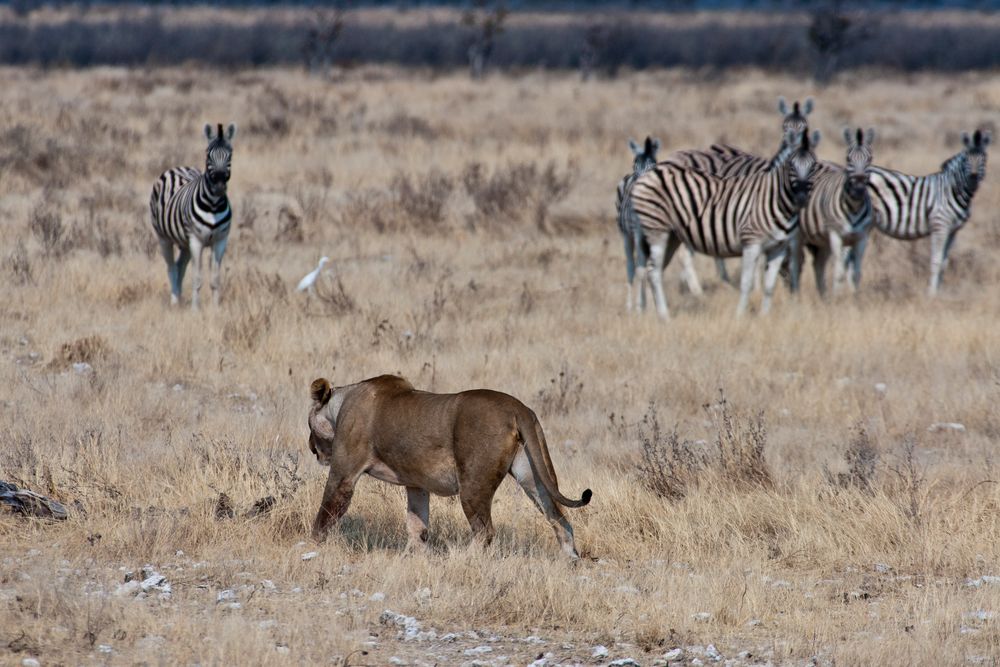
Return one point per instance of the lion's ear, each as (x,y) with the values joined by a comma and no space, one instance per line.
(321,390)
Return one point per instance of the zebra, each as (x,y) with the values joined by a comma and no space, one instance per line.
(744,215)
(838,213)
(727,161)
(937,205)
(644,159)
(190,209)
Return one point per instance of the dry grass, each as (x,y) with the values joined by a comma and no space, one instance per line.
(791,536)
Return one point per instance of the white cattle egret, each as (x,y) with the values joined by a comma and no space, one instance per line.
(309,281)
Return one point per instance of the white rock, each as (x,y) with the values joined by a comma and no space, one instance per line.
(225,595)
(309,555)
(713,653)
(882,568)
(103,648)
(954,427)
(980,615)
(881,388)
(178,387)
(600,651)
(267,623)
(282,649)
(82,368)
(533,639)
(624,662)
(479,650)
(30,662)
(423,594)
(268,585)
(674,654)
(396,660)
(702,616)
(377,597)
(128,588)
(696,662)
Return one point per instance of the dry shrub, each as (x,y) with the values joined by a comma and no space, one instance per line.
(861,457)
(562,394)
(411,202)
(422,201)
(93,232)
(335,300)
(19,264)
(669,466)
(47,227)
(403,125)
(520,191)
(672,467)
(83,350)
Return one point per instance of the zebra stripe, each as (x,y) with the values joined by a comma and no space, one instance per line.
(190,210)
(644,160)
(838,213)
(725,217)
(938,205)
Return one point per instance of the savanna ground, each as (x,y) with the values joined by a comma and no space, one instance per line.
(815,516)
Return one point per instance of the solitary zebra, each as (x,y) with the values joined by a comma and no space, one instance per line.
(938,205)
(190,210)
(727,161)
(725,217)
(838,213)
(645,159)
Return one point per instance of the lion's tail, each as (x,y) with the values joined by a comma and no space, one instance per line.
(538,454)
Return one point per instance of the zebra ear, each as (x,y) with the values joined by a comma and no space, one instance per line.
(655,145)
(870,136)
(847,136)
(634,147)
(966,141)
(230,131)
(986,138)
(782,106)
(208,131)
(815,139)
(807,107)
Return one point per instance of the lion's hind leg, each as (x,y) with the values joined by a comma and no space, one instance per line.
(418,509)
(520,469)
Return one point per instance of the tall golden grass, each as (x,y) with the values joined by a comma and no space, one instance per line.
(822,519)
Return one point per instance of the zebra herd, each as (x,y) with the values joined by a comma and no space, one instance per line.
(721,202)
(724,202)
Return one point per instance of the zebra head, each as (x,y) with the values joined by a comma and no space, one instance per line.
(795,117)
(801,165)
(218,156)
(859,161)
(645,155)
(975,156)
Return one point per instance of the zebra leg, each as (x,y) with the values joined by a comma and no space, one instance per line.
(855,256)
(747,271)
(775,257)
(629,269)
(836,249)
(820,257)
(660,254)
(196,252)
(215,263)
(688,273)
(182,261)
(794,259)
(641,262)
(720,268)
(938,242)
(947,250)
(173,275)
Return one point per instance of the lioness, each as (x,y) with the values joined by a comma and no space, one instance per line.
(444,444)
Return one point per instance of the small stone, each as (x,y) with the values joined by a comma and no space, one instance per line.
(754,622)
(882,568)
(82,368)
(881,388)
(30,662)
(225,595)
(268,585)
(104,648)
(479,650)
(309,555)
(624,662)
(600,651)
(282,649)
(702,616)
(377,597)
(178,387)
(943,427)
(674,654)
(713,653)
